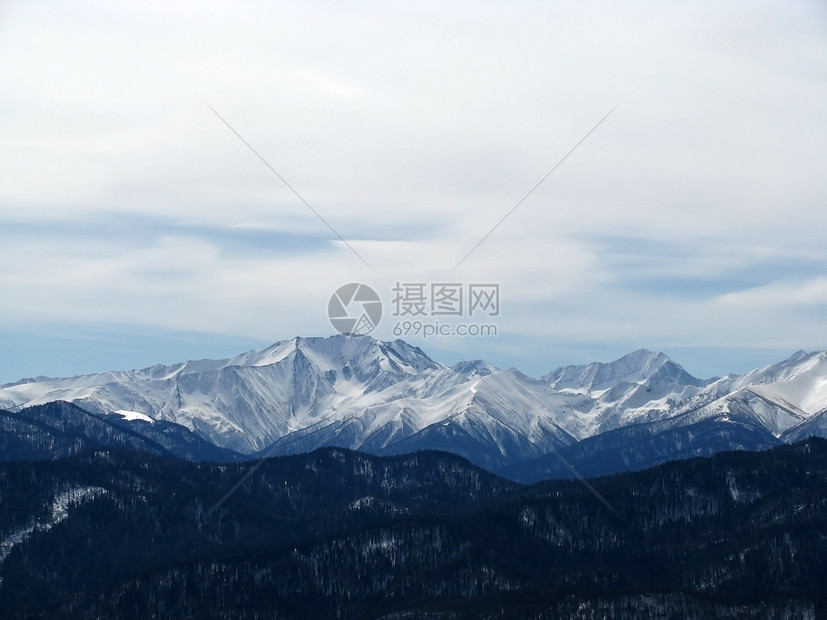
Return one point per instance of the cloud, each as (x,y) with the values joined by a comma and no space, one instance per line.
(412,129)
(781,295)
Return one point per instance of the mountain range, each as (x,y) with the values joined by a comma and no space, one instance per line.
(390,398)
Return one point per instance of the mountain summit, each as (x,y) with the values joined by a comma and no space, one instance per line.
(637,367)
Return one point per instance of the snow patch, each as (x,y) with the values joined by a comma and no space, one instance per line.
(131,416)
(362,503)
(58,511)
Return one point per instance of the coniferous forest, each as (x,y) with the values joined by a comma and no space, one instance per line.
(115,533)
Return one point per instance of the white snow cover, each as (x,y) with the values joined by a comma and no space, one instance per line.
(635,367)
(131,416)
(367,394)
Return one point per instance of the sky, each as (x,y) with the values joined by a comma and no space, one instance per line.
(137,226)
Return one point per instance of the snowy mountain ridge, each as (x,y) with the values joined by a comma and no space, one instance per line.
(390,397)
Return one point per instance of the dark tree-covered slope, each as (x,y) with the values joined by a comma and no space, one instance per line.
(59,429)
(333,533)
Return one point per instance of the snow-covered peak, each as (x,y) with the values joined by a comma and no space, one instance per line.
(336,352)
(636,367)
(264,357)
(798,362)
(470,368)
(801,380)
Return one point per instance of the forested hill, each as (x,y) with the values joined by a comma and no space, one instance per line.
(334,533)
